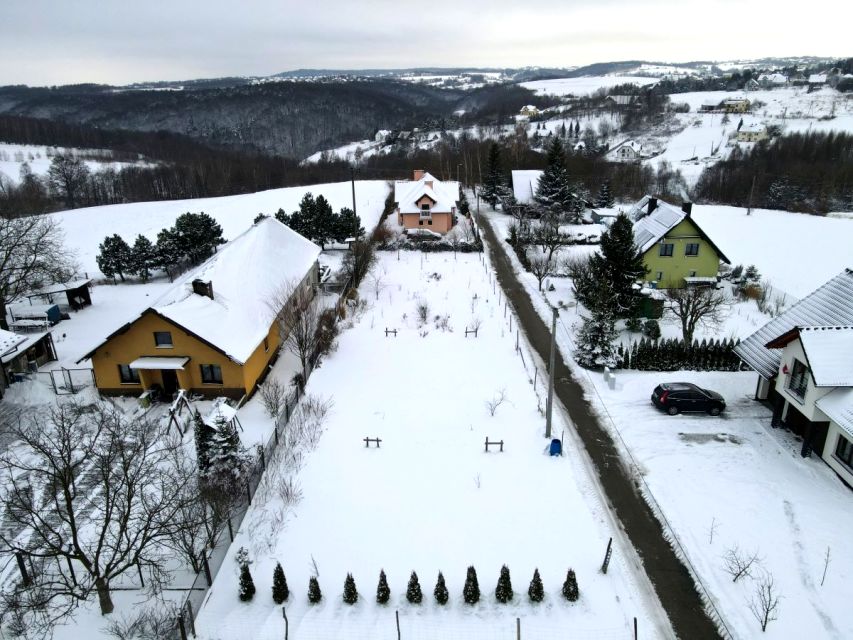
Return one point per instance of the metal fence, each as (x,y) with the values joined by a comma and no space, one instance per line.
(70,381)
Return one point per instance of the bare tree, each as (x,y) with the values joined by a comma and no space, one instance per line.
(497,400)
(547,235)
(89,488)
(738,564)
(377,283)
(541,266)
(32,254)
(765,603)
(298,316)
(273,396)
(66,178)
(466,230)
(696,306)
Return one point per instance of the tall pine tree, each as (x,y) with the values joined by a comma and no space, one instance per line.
(604,200)
(554,191)
(203,442)
(227,461)
(595,341)
(143,257)
(494,183)
(114,257)
(619,264)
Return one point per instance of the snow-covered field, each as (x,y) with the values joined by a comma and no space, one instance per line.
(85,228)
(582,86)
(726,473)
(12,156)
(430,499)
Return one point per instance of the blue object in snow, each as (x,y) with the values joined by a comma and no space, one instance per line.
(556,447)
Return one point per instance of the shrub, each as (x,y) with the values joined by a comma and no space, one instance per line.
(350,592)
(440,592)
(651,329)
(471,590)
(413,591)
(634,324)
(536,591)
(383,593)
(570,587)
(280,592)
(247,585)
(314,593)
(503,590)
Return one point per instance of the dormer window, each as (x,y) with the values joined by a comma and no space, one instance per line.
(425,212)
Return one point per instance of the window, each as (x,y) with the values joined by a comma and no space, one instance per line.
(666,249)
(163,339)
(844,451)
(425,213)
(430,222)
(128,375)
(799,379)
(211,373)
(266,345)
(692,274)
(692,249)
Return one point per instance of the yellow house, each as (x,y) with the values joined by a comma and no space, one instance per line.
(214,331)
(426,202)
(676,251)
(752,133)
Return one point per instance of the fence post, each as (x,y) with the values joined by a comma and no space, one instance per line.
(518,628)
(607,555)
(206,568)
(263,457)
(248,492)
(191,618)
(635,627)
(230,529)
(275,432)
(23,567)
(397,614)
(181,627)
(286,623)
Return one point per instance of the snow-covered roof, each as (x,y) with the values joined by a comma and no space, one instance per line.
(773,78)
(829,351)
(246,275)
(838,407)
(635,146)
(828,306)
(735,100)
(60,287)
(621,100)
(753,128)
(817,78)
(9,342)
(524,184)
(13,344)
(445,195)
(650,228)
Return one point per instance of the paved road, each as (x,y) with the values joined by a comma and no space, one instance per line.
(672,582)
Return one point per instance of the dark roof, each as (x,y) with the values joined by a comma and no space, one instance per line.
(829,305)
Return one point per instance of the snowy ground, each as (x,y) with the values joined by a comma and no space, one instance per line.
(733,483)
(430,499)
(85,228)
(582,86)
(12,156)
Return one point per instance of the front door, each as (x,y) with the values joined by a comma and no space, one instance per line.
(170,381)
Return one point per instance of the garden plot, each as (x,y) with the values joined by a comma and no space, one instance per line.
(429,498)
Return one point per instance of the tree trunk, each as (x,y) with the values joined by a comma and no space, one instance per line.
(3,324)
(104,597)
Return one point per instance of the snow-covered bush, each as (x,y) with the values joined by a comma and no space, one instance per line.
(413,591)
(503,590)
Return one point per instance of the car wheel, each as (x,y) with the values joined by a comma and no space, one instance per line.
(673,411)
(714,411)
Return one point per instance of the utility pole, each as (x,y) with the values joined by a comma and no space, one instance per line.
(551,365)
(352,178)
(751,191)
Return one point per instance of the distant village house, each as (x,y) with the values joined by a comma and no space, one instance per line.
(425,202)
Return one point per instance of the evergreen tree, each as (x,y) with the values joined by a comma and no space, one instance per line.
(553,191)
(595,341)
(323,225)
(203,439)
(197,236)
(651,328)
(494,183)
(471,590)
(228,462)
(620,264)
(114,257)
(247,585)
(503,590)
(383,593)
(280,592)
(259,217)
(536,591)
(570,587)
(604,199)
(143,257)
(314,593)
(413,591)
(464,206)
(167,253)
(350,592)
(440,592)
(577,129)
(347,225)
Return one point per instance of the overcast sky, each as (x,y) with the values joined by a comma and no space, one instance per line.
(122,41)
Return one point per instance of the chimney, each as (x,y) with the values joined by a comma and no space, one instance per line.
(428,183)
(653,204)
(419,173)
(687,208)
(202,288)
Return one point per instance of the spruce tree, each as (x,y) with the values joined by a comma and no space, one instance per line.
(620,264)
(536,591)
(440,592)
(471,590)
(493,182)
(553,191)
(247,585)
(413,591)
(595,341)
(227,459)
(142,257)
(197,236)
(604,200)
(383,593)
(203,440)
(260,217)
(324,223)
(570,587)
(114,257)
(280,592)
(314,593)
(350,592)
(503,590)
(347,225)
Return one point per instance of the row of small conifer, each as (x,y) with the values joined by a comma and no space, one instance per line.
(470,592)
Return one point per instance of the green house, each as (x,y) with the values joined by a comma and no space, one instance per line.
(676,251)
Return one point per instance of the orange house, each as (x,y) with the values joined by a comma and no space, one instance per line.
(215,331)
(426,202)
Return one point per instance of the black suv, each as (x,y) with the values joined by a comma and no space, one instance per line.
(675,397)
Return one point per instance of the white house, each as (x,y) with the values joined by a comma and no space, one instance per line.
(752,133)
(627,151)
(804,360)
(772,80)
(528,111)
